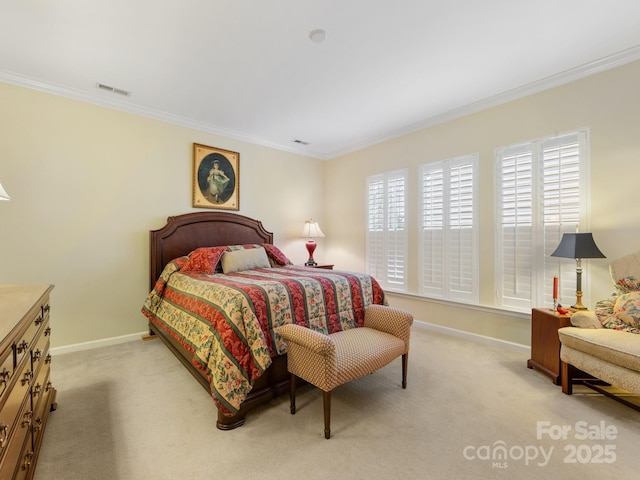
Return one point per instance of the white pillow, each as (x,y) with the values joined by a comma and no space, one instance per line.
(246,259)
(585,319)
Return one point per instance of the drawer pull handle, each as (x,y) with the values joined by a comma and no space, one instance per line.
(47,307)
(39,320)
(4,375)
(37,425)
(36,390)
(3,434)
(48,359)
(27,460)
(47,331)
(22,347)
(36,355)
(28,375)
(27,419)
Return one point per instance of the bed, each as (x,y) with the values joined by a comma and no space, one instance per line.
(222,325)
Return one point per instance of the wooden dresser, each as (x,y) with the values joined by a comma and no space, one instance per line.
(26,394)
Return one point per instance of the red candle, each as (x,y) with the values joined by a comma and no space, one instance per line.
(555,288)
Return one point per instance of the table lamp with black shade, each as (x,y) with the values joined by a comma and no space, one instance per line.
(578,246)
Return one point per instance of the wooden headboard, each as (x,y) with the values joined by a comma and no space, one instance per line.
(184,233)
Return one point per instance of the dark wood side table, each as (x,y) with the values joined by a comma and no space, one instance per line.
(545,343)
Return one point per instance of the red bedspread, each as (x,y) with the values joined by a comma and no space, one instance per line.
(230,321)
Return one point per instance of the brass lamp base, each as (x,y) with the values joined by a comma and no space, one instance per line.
(578,305)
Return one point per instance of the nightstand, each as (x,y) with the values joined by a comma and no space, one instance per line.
(325,266)
(545,343)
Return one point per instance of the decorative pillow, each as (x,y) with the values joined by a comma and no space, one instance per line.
(245,259)
(627,309)
(204,259)
(276,257)
(233,248)
(628,284)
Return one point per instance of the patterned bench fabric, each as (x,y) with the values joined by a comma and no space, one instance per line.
(328,361)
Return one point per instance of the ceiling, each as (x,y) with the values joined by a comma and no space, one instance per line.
(247,69)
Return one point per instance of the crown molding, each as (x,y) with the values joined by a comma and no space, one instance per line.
(598,66)
(106,100)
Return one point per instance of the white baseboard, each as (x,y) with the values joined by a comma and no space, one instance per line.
(105,342)
(78,347)
(518,347)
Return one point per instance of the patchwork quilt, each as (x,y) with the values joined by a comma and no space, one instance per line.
(230,321)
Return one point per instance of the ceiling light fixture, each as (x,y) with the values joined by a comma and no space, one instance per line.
(318,35)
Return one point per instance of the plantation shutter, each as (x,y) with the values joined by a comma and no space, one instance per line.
(540,196)
(432,237)
(386,229)
(515,226)
(448,240)
(462,254)
(563,206)
(375,226)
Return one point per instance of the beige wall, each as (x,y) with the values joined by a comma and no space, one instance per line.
(88,183)
(608,104)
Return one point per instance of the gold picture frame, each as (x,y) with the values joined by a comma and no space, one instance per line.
(216,178)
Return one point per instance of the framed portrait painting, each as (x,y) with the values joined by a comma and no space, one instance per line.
(216,178)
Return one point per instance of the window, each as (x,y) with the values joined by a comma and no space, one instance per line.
(448,229)
(541,194)
(387,230)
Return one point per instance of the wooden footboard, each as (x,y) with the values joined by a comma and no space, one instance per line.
(274,381)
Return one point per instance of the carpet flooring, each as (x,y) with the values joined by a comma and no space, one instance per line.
(471,410)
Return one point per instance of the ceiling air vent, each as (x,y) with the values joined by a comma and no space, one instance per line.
(301,142)
(107,88)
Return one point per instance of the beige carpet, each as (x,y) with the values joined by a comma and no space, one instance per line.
(133,412)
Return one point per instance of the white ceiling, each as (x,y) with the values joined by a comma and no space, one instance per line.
(248,70)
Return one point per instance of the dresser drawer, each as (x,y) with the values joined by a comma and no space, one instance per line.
(39,388)
(16,398)
(40,349)
(6,372)
(25,341)
(19,451)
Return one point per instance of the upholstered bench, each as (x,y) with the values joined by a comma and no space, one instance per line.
(328,361)
(605,343)
(609,355)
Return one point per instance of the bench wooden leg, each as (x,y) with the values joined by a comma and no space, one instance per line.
(326,402)
(292,393)
(405,365)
